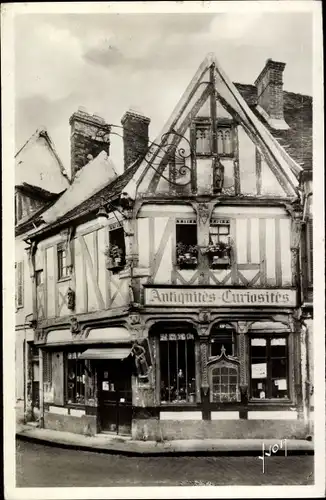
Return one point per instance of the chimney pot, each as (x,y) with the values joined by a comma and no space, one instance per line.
(269,86)
(135,136)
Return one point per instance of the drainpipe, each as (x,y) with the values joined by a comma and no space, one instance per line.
(41,394)
(306,368)
(26,369)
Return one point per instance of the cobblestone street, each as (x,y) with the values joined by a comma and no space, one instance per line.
(45,466)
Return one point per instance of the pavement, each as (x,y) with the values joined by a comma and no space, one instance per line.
(124,445)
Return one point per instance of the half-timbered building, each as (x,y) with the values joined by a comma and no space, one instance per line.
(170,300)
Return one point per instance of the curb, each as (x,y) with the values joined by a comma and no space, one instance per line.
(133,451)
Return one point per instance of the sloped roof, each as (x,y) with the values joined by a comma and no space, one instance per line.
(288,168)
(38,164)
(89,180)
(297,140)
(109,192)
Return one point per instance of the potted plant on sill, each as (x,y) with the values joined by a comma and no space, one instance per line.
(114,257)
(187,256)
(219,254)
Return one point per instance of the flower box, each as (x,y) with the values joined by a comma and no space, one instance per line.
(114,258)
(187,256)
(219,255)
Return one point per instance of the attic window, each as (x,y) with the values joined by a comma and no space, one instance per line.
(63,267)
(203,139)
(224,141)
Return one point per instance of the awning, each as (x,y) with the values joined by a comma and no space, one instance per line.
(112,353)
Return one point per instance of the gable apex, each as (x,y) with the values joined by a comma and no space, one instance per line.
(211,77)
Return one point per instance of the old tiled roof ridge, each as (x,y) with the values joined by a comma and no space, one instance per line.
(297,140)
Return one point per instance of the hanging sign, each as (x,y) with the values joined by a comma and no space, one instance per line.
(219,297)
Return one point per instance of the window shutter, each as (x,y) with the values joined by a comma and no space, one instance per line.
(20,284)
(310,251)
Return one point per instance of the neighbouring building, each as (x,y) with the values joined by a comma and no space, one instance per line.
(39,180)
(175,299)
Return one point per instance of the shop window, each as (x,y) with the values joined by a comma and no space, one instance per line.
(63,267)
(116,252)
(47,377)
(222,336)
(19,268)
(186,245)
(224,383)
(75,379)
(177,368)
(269,367)
(203,139)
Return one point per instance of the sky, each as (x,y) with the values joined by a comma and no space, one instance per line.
(109,63)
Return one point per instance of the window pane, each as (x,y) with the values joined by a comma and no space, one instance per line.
(256,342)
(227,142)
(224,384)
(75,379)
(203,140)
(220,147)
(177,369)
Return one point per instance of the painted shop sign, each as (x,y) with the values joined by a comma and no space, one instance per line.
(219,297)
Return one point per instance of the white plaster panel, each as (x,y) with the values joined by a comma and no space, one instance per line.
(242,211)
(163,274)
(254,241)
(269,183)
(102,239)
(204,175)
(58,410)
(51,279)
(159,227)
(272,415)
(79,278)
(77,413)
(90,268)
(241,241)
(270,251)
(180,415)
(285,229)
(247,163)
(143,242)
(146,210)
(225,415)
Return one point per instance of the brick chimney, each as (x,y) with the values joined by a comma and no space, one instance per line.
(269,86)
(89,136)
(135,136)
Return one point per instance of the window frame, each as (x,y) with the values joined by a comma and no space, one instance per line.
(223,126)
(203,124)
(169,404)
(66,400)
(61,248)
(269,338)
(215,334)
(19,267)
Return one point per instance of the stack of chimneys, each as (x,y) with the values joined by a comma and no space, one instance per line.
(90,135)
(269,86)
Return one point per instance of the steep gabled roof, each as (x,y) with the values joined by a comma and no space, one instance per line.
(38,164)
(89,180)
(287,168)
(110,192)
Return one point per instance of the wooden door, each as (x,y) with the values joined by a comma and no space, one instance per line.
(115,396)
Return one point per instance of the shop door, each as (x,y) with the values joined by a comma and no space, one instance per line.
(115,396)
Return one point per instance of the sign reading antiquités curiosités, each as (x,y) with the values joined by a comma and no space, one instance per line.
(219,297)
